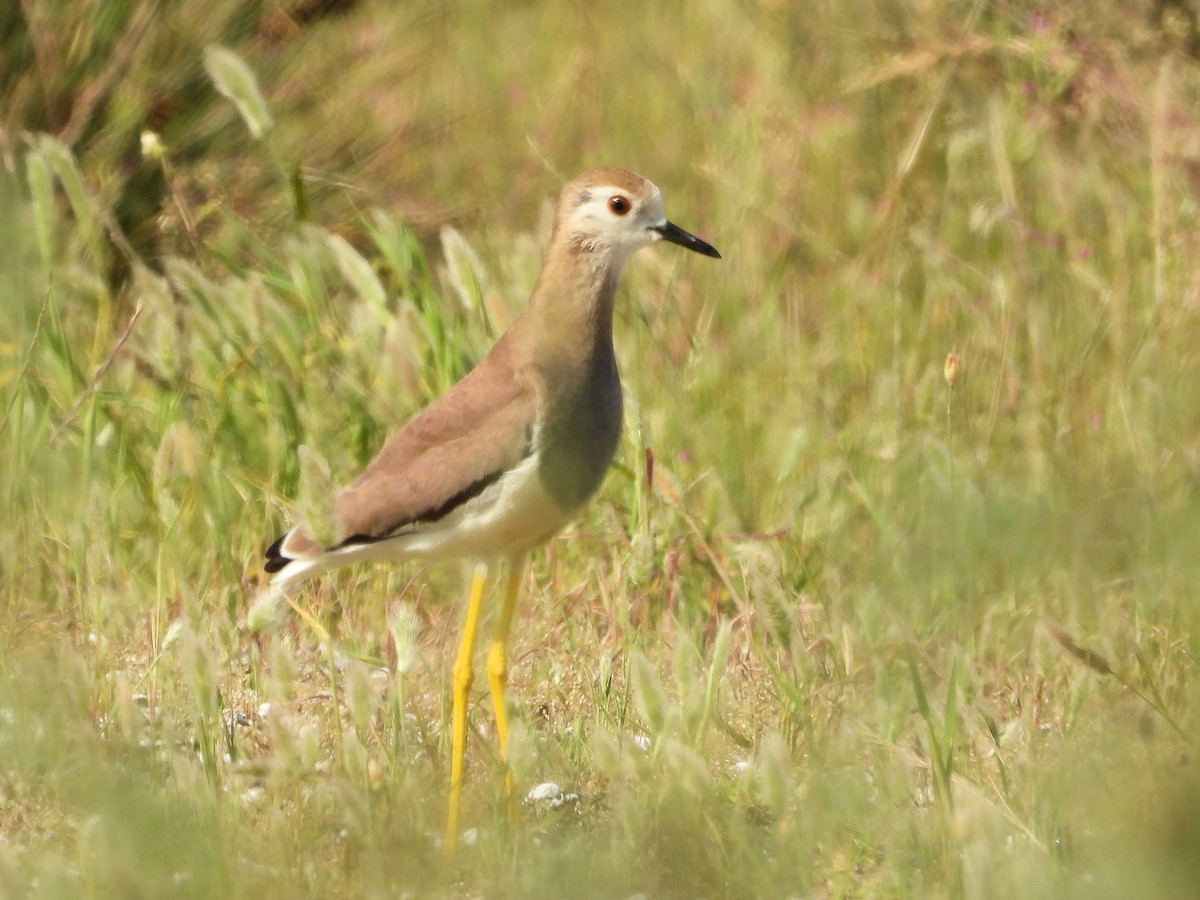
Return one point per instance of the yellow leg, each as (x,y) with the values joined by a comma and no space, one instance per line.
(463,677)
(497,669)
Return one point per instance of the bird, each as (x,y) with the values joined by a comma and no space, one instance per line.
(498,464)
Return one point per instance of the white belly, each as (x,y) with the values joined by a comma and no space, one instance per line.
(509,517)
(512,516)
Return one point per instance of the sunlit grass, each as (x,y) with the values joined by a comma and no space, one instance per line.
(836,625)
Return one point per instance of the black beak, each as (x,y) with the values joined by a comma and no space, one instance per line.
(676,235)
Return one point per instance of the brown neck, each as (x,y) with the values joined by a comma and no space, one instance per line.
(571,309)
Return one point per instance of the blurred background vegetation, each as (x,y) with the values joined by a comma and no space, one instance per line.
(892,589)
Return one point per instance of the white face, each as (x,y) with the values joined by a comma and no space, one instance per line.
(616,219)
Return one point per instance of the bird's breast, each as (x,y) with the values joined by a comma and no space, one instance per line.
(579,436)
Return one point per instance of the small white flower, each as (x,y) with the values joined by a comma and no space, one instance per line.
(152,145)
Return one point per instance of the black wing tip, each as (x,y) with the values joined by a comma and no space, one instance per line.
(276,561)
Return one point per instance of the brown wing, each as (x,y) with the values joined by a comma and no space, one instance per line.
(449,453)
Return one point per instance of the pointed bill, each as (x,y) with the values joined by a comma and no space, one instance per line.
(676,235)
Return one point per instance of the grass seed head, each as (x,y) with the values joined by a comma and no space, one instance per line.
(952,368)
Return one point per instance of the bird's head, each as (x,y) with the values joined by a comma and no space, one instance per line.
(618,212)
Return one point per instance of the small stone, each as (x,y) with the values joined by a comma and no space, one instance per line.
(252,796)
(550,796)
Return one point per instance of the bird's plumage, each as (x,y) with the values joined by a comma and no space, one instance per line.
(503,460)
(547,396)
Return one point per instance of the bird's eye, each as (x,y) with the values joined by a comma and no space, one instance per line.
(619,205)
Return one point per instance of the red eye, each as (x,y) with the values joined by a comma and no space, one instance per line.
(619,205)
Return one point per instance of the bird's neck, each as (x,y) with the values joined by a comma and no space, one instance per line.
(572,304)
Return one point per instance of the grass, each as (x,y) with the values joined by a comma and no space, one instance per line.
(838,625)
